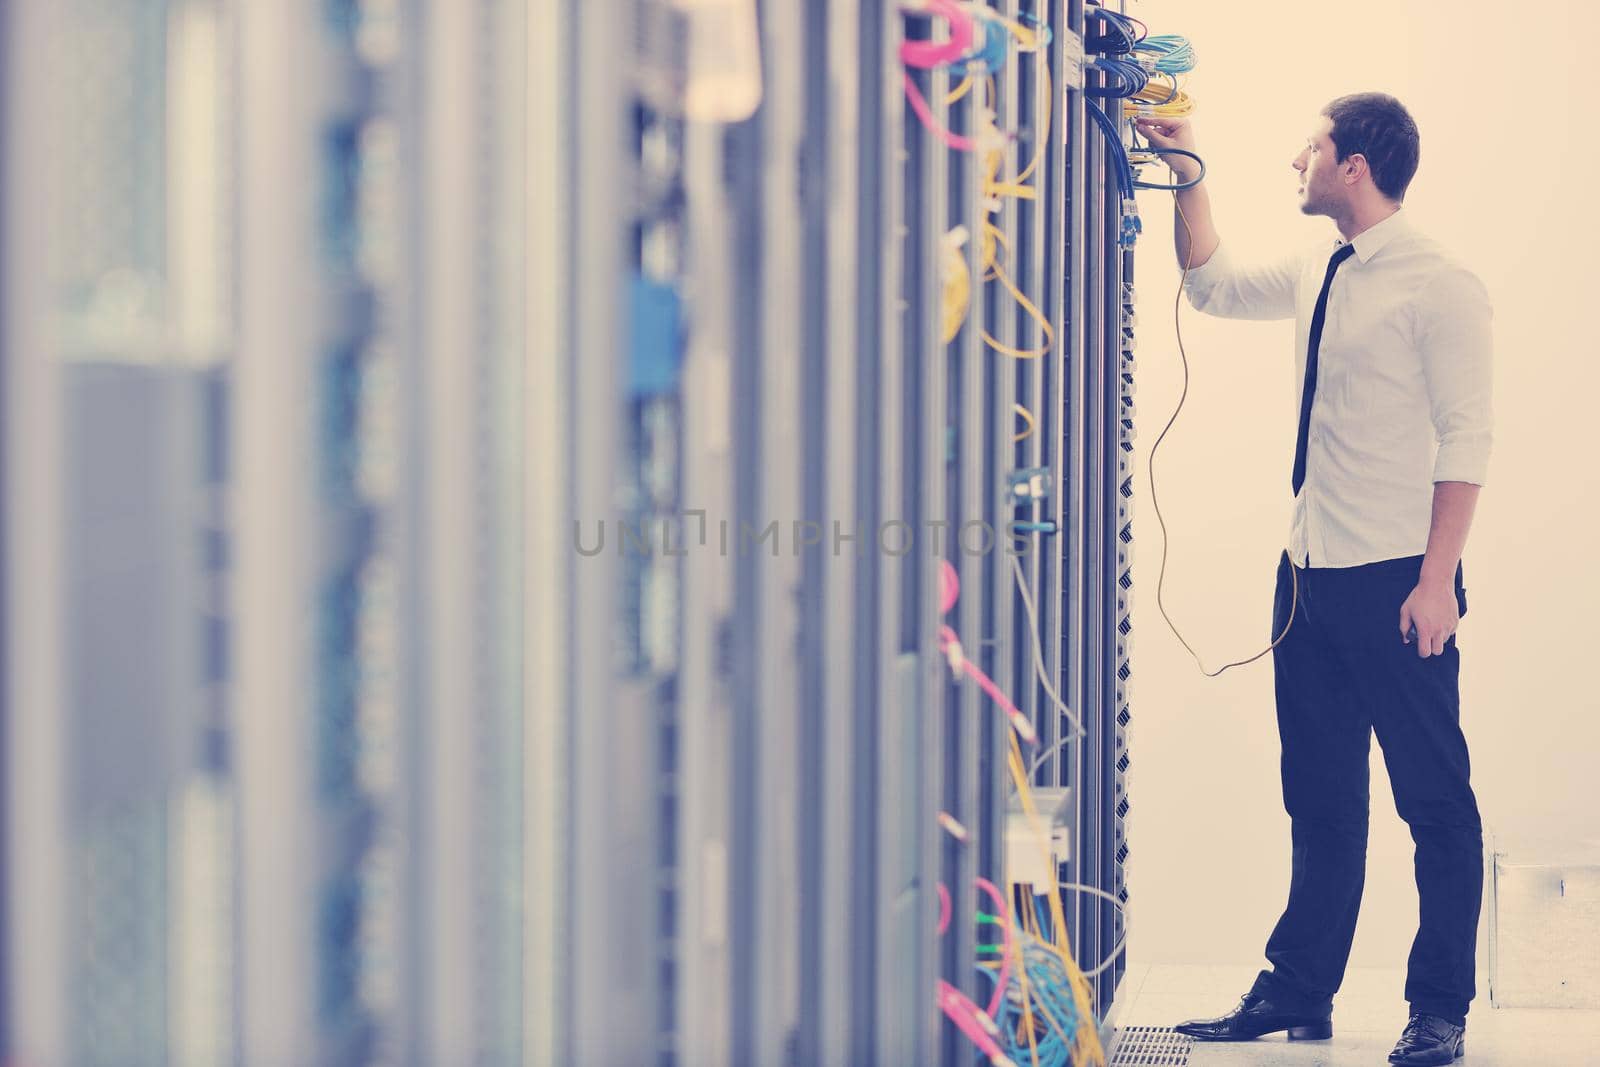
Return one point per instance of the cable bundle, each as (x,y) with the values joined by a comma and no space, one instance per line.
(1126,77)
(1039,1017)
(1060,981)
(1119,152)
(1168,53)
(1125,33)
(1029,40)
(1165,56)
(990,143)
(1031,1021)
(1159,100)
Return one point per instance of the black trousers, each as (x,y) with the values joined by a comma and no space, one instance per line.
(1341,674)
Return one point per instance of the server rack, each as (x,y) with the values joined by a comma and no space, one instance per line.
(811,259)
(533,804)
(116,711)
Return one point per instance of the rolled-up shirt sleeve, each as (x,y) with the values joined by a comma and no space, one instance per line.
(1456,341)
(1220,286)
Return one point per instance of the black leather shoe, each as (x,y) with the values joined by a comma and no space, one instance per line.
(1429,1040)
(1255,1016)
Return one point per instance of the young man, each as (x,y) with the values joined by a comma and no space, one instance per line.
(1392,384)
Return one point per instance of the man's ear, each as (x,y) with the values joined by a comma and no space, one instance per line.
(1355,163)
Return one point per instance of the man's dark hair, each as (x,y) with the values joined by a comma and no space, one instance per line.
(1377,126)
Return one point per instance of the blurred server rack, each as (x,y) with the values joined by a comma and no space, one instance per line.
(120,317)
(328,681)
(37,918)
(929,439)
(950,447)
(469,92)
(382,443)
(609,887)
(703,999)
(546,551)
(503,799)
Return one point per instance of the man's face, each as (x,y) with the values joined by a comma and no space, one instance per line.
(1321,190)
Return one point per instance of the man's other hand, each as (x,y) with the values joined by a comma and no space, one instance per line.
(1432,609)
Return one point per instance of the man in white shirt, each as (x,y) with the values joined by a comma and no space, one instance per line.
(1392,389)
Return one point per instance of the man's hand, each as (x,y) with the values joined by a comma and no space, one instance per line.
(1165,132)
(1432,609)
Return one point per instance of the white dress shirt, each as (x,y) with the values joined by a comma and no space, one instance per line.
(1404,372)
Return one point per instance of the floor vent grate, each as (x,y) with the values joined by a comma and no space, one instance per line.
(1149,1046)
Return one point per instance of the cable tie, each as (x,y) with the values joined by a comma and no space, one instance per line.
(1023,727)
(952,654)
(953,827)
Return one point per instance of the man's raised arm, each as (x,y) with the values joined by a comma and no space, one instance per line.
(1215,284)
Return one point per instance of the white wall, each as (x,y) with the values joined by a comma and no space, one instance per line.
(1507,179)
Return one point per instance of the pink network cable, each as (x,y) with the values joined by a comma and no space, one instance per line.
(974,1022)
(920,105)
(926,55)
(950,645)
(977,1024)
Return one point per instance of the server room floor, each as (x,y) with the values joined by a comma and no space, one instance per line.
(1367,1017)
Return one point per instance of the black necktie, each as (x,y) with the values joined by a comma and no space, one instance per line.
(1309,392)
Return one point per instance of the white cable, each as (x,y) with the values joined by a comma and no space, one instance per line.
(1116,951)
(1038,650)
(1079,887)
(1121,905)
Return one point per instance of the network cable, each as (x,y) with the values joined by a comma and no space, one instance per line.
(992,56)
(1114,145)
(1029,39)
(1123,37)
(1038,657)
(990,142)
(950,645)
(955,281)
(1039,1003)
(1128,78)
(1155,153)
(1156,100)
(1027,417)
(1085,1042)
(978,1024)
(928,55)
(1167,53)
(1155,503)
(1063,1041)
